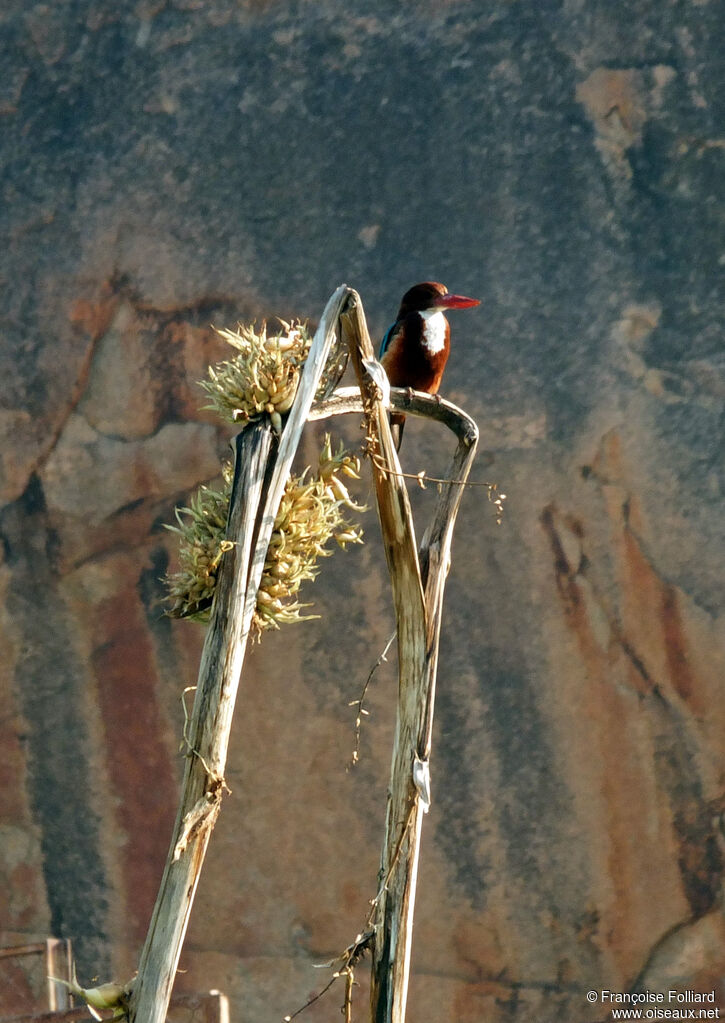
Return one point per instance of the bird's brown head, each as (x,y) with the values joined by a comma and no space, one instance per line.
(432,295)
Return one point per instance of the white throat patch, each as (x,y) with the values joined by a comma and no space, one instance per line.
(434,330)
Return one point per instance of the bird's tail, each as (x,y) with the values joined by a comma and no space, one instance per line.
(397,425)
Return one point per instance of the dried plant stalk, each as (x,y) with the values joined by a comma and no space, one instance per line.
(418,580)
(258,489)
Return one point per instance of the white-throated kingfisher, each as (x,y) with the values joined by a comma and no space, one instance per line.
(414,351)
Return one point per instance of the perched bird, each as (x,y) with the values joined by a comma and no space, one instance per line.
(414,351)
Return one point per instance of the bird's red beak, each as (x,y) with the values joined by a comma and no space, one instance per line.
(456,302)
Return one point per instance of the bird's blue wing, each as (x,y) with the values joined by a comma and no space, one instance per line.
(387,338)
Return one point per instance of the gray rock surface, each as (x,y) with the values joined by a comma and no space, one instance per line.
(166,166)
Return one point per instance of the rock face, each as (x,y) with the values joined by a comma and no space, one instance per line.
(170,166)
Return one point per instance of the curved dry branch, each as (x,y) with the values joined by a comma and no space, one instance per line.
(348,400)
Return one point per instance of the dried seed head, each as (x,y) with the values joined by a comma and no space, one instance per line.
(262,376)
(311,513)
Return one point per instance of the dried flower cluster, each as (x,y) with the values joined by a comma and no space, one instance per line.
(311,513)
(262,377)
(202,528)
